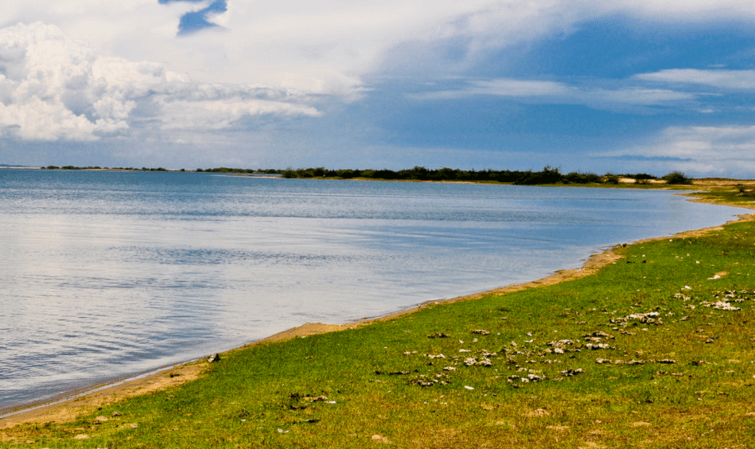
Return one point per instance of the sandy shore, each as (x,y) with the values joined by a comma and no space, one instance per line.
(87,402)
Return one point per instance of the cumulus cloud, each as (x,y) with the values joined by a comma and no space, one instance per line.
(53,88)
(328,46)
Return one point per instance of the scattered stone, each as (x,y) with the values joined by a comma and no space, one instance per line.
(596,346)
(720,305)
(467,387)
(398,373)
(559,346)
(536,378)
(449,368)
(114,414)
(667,361)
(480,332)
(636,362)
(316,398)
(380,439)
(424,381)
(644,318)
(572,372)
(438,335)
(600,334)
(464,350)
(213,358)
(435,356)
(603,361)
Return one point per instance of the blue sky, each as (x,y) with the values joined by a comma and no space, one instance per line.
(642,87)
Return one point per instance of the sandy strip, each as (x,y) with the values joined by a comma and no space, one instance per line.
(68,410)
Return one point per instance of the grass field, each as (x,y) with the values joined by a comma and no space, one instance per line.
(656,350)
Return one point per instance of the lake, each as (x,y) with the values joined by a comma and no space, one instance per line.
(110,274)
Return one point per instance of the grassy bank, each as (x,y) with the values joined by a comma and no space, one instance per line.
(656,350)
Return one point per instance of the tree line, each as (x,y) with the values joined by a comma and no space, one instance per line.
(548,175)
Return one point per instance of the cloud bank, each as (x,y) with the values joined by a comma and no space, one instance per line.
(128,72)
(52,88)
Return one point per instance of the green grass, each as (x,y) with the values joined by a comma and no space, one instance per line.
(271,395)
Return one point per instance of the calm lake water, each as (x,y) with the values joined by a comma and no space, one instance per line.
(106,274)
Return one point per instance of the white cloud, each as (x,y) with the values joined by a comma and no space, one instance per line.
(723,79)
(220,114)
(561,93)
(328,46)
(701,150)
(84,75)
(52,88)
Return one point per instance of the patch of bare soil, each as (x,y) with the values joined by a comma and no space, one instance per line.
(67,411)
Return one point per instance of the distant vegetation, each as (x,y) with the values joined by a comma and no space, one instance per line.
(677,177)
(548,175)
(96,167)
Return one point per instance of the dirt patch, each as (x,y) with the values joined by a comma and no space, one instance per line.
(304,330)
(537,413)
(68,410)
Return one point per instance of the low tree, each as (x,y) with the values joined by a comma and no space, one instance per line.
(677,177)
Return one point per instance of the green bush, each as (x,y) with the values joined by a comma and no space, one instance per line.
(677,177)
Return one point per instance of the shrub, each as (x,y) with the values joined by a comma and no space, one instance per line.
(677,177)
(610,179)
(581,178)
(547,176)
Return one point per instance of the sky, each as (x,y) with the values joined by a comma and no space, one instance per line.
(647,86)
